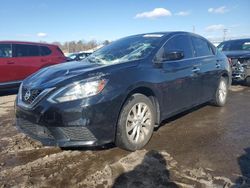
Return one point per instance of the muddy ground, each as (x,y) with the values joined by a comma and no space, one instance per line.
(205,147)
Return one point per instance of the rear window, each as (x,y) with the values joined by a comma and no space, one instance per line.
(23,50)
(45,50)
(5,51)
(201,47)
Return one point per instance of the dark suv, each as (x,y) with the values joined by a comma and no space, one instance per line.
(123,91)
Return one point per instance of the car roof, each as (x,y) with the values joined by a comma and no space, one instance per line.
(165,33)
(237,40)
(26,42)
(169,34)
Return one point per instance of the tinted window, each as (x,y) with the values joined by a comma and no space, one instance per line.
(179,43)
(45,50)
(5,50)
(201,47)
(23,50)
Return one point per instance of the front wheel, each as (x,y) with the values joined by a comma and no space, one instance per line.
(136,123)
(220,97)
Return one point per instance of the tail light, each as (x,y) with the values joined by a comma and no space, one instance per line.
(230,61)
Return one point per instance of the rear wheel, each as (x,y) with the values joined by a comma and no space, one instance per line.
(220,97)
(136,123)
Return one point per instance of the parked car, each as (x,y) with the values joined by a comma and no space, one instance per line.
(123,91)
(78,56)
(239,53)
(18,60)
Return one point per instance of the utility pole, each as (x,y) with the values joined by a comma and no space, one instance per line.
(193,29)
(224,34)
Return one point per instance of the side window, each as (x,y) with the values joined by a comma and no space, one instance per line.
(23,50)
(201,47)
(212,48)
(179,43)
(45,50)
(5,51)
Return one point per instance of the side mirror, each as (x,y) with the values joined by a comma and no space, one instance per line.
(171,56)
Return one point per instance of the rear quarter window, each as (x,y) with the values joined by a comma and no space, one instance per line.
(201,47)
(45,51)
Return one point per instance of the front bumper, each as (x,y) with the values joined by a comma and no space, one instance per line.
(88,122)
(61,136)
(240,69)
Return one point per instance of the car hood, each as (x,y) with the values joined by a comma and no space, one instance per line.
(65,73)
(237,54)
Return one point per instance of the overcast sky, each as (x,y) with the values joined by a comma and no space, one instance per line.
(61,20)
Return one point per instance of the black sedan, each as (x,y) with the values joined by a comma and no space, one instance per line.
(239,53)
(123,91)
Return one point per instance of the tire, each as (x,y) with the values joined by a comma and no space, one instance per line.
(221,94)
(134,129)
(247,81)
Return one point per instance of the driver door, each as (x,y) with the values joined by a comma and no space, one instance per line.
(182,86)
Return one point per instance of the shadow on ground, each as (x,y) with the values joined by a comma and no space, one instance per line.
(244,163)
(152,172)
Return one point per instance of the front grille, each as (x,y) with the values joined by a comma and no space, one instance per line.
(29,96)
(55,133)
(78,133)
(34,129)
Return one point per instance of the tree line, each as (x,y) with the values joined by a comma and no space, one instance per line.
(77,46)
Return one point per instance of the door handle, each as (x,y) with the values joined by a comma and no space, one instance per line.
(10,62)
(43,60)
(196,69)
(219,60)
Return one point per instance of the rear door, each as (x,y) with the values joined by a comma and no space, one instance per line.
(6,63)
(210,66)
(27,60)
(182,88)
(57,55)
(46,58)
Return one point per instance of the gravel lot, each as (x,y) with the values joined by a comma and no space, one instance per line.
(205,147)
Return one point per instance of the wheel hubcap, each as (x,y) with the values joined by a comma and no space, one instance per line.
(222,91)
(138,122)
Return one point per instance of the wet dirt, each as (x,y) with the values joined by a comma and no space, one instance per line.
(205,147)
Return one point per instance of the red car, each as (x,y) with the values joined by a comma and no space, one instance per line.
(18,60)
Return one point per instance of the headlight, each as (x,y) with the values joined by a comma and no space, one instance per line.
(78,90)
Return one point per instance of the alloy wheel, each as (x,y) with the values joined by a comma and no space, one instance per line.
(138,123)
(222,91)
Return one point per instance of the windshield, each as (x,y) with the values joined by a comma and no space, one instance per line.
(235,45)
(126,49)
(72,56)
